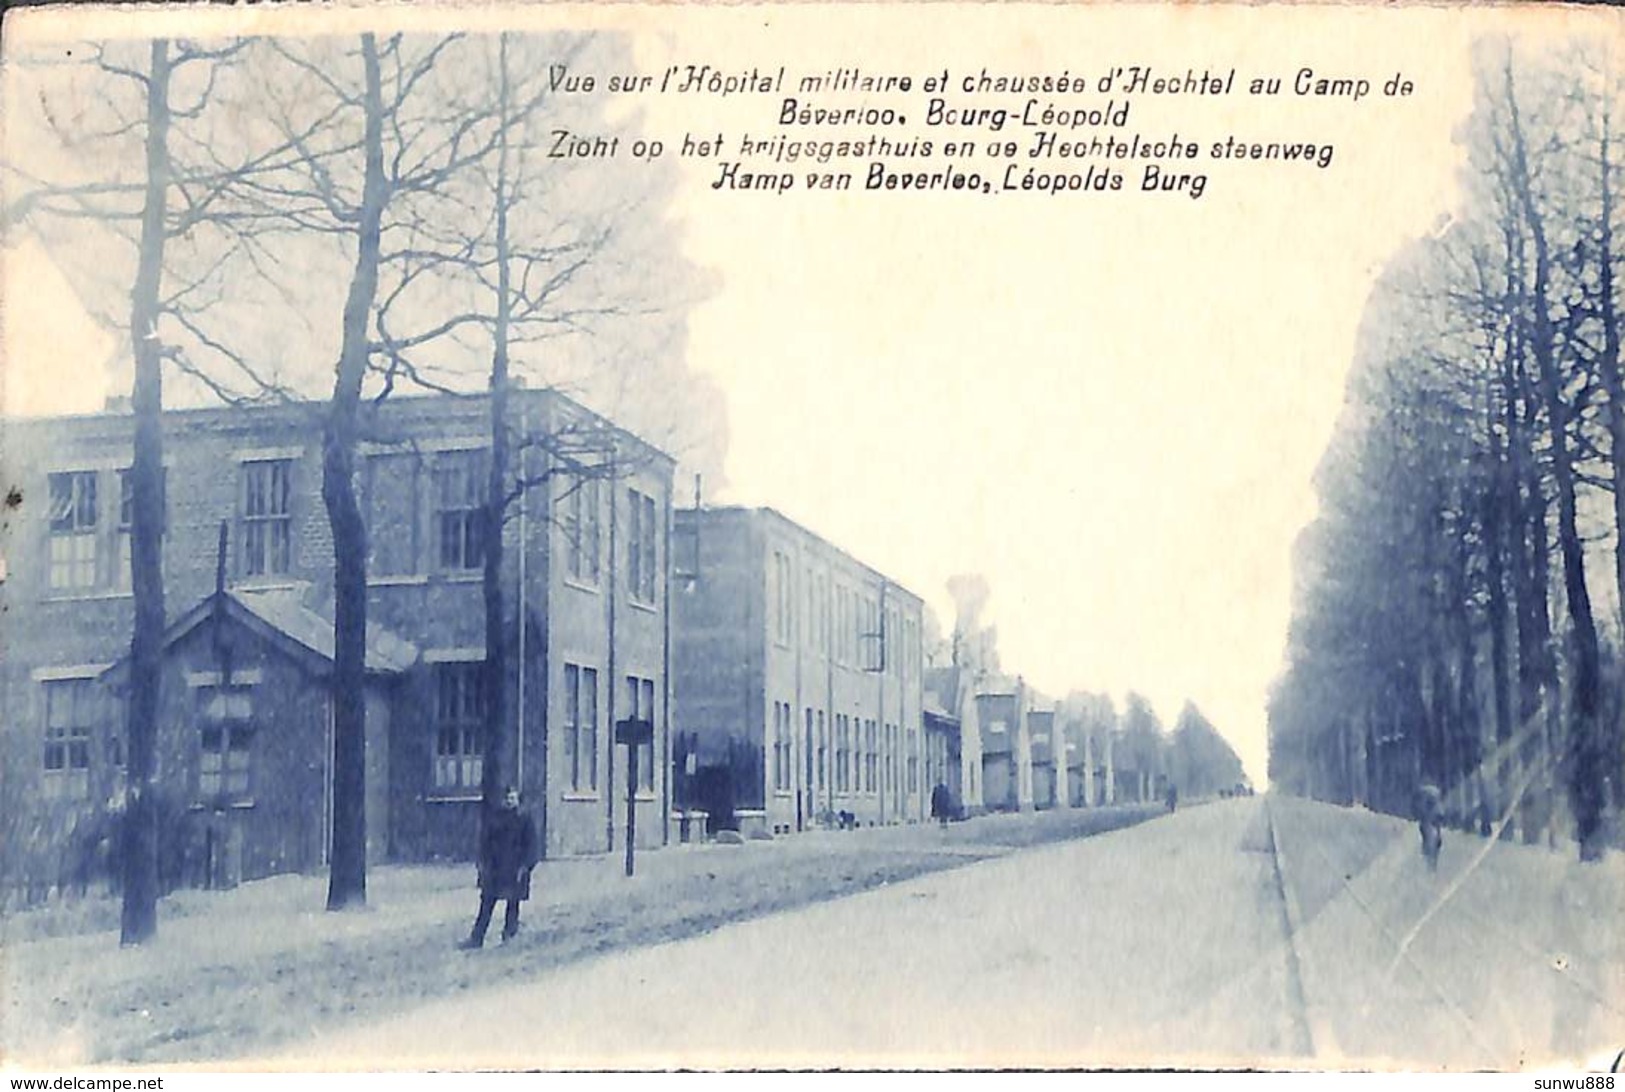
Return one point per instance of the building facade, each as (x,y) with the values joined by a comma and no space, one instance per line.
(245,532)
(1007,745)
(797,676)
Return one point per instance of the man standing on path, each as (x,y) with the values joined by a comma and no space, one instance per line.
(507,854)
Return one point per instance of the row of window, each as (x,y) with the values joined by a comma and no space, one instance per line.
(79,530)
(77,539)
(77,711)
(849,627)
(865,760)
(460,719)
(81,535)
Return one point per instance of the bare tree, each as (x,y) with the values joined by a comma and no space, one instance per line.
(174,199)
(431,192)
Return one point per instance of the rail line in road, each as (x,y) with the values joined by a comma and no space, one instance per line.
(1318,1039)
(1317,1016)
(1292,923)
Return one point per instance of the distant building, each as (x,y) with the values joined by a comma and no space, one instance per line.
(1007,744)
(244,753)
(1081,763)
(1049,751)
(797,674)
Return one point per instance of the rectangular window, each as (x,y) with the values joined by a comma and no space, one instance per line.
(913,744)
(893,768)
(823,752)
(860,638)
(807,756)
(582,529)
(775,600)
(459,727)
(871,755)
(641,546)
(869,637)
(821,616)
(889,638)
(73,530)
(809,616)
(126,520)
(777,731)
(860,753)
(459,494)
(840,625)
(70,715)
(787,601)
(267,520)
(640,700)
(836,648)
(782,595)
(781,747)
(842,770)
(226,739)
(581,727)
(866,777)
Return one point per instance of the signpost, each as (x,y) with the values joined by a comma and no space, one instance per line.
(634,733)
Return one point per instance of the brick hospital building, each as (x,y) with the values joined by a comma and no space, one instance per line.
(798,672)
(245,746)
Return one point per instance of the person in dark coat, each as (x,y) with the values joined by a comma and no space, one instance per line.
(1430,822)
(507,854)
(941,804)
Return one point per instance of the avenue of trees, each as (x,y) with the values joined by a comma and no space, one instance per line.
(1457,614)
(339,219)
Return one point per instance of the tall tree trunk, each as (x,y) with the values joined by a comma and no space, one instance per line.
(499,744)
(1536,671)
(1469,742)
(138,919)
(1497,507)
(1583,758)
(1609,367)
(347,876)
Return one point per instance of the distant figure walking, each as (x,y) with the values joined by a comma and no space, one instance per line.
(1172,797)
(507,854)
(1429,821)
(941,804)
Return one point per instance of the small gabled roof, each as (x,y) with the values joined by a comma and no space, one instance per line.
(281,616)
(284,610)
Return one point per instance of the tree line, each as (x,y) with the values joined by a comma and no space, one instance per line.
(1143,753)
(1457,600)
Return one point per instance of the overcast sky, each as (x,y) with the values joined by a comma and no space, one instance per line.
(1110,405)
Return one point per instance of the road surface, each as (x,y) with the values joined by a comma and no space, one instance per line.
(1239,933)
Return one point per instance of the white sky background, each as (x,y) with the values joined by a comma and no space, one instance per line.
(1109,405)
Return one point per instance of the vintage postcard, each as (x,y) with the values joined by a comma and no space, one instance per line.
(813,536)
